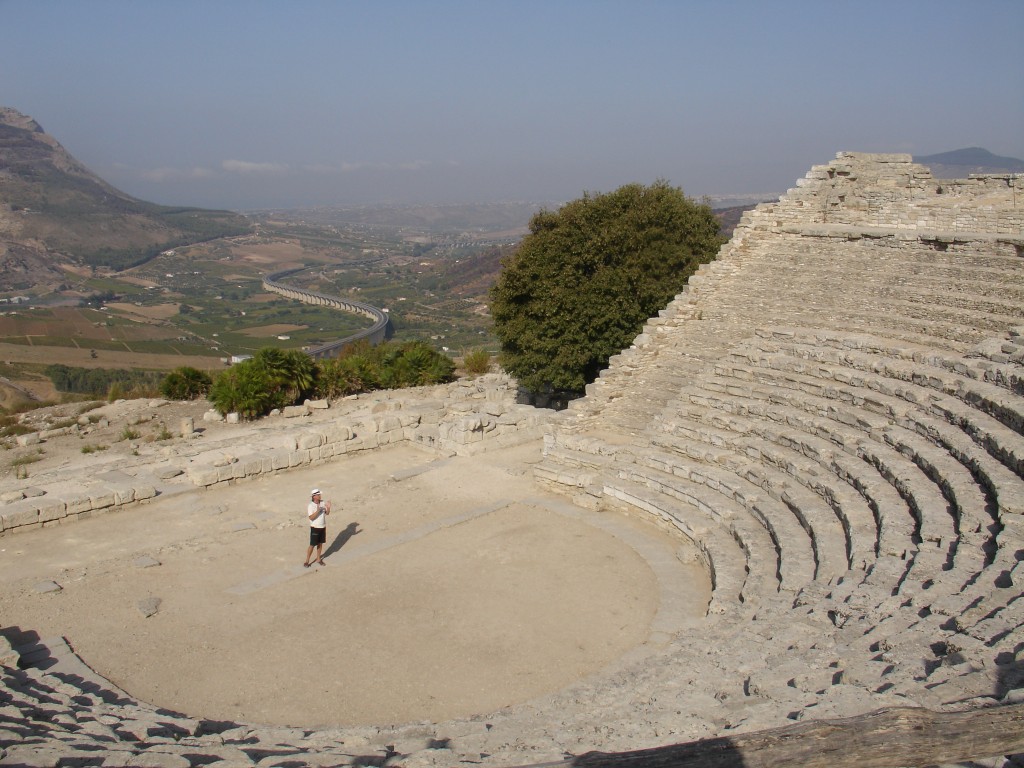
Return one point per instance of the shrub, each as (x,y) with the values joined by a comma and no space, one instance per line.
(477,362)
(244,389)
(185,383)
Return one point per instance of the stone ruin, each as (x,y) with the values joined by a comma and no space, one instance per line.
(832,412)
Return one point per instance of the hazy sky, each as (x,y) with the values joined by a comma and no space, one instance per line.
(251,104)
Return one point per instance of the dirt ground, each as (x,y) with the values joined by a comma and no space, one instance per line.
(452,587)
(107,358)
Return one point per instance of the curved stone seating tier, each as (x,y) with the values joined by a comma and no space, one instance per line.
(957,482)
(986,411)
(847,377)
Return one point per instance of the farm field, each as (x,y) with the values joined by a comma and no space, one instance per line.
(199,305)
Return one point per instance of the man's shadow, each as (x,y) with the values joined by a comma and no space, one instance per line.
(342,539)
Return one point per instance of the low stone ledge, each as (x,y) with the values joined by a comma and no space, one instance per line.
(460,418)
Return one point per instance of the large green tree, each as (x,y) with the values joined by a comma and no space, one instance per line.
(585,279)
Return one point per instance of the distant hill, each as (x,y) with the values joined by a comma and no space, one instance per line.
(54,210)
(729,218)
(960,163)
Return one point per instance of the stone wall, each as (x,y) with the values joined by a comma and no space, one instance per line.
(461,418)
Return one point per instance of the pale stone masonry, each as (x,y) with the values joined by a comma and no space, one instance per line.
(832,412)
(457,419)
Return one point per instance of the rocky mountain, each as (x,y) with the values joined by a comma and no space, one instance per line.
(960,163)
(54,210)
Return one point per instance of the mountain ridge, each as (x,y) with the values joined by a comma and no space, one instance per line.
(54,210)
(960,163)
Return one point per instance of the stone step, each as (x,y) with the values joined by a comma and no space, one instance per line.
(891,375)
(957,484)
(892,518)
(834,436)
(815,517)
(724,557)
(794,544)
(771,448)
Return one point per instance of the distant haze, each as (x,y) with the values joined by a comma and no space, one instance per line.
(260,104)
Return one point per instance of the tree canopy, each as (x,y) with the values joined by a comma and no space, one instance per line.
(585,279)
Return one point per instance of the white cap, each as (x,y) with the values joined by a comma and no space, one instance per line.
(314,492)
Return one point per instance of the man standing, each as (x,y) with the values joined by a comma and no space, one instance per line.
(317,512)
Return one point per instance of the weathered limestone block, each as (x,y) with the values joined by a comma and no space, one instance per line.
(204,476)
(123,495)
(424,434)
(367,426)
(338,433)
(308,440)
(293,411)
(56,509)
(317,405)
(102,499)
(187,427)
(389,424)
(407,419)
(32,438)
(298,458)
(212,415)
(252,466)
(48,433)
(367,441)
(8,656)
(279,459)
(143,492)
(20,517)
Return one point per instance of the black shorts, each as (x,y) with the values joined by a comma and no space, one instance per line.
(317,536)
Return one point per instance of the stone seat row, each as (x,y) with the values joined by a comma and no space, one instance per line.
(940,471)
(986,388)
(962,286)
(943,505)
(974,553)
(928,323)
(51,719)
(978,409)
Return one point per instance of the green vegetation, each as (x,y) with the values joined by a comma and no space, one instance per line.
(128,433)
(185,383)
(103,381)
(272,378)
(477,362)
(587,277)
(276,378)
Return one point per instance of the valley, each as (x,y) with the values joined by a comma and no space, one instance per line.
(201,304)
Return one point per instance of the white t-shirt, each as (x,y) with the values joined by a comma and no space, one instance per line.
(320,521)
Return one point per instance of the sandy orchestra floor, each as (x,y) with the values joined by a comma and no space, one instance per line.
(452,587)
